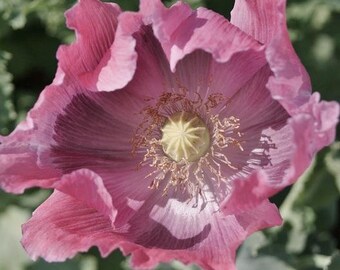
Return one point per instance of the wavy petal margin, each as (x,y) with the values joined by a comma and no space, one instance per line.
(79,215)
(265,20)
(101,48)
(182,31)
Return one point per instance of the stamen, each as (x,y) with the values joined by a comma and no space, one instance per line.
(184,144)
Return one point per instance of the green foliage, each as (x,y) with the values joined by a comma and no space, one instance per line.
(334,262)
(7,113)
(17,14)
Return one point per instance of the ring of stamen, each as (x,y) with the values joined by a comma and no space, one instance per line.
(168,137)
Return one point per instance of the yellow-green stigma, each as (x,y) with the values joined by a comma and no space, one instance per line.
(185,136)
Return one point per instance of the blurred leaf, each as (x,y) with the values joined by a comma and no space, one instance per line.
(222,7)
(259,254)
(334,262)
(332,161)
(14,12)
(335,4)
(7,200)
(88,263)
(299,216)
(314,28)
(68,265)
(7,113)
(193,3)
(30,200)
(176,265)
(114,261)
(12,255)
(51,12)
(127,5)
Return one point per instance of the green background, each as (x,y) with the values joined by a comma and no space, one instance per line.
(30,33)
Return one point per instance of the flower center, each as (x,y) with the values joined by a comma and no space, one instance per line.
(182,149)
(185,136)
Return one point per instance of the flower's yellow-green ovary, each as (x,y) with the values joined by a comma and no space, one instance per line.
(185,136)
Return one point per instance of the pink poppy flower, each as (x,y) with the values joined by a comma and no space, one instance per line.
(164,133)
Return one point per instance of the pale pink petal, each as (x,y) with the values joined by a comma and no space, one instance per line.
(170,229)
(62,226)
(311,133)
(19,168)
(325,116)
(248,193)
(75,218)
(265,20)
(129,190)
(306,133)
(152,76)
(182,31)
(120,60)
(263,134)
(21,165)
(88,188)
(102,48)
(58,136)
(95,24)
(198,72)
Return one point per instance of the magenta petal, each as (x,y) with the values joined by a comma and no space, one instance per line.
(95,24)
(182,31)
(311,132)
(311,129)
(19,163)
(95,135)
(265,20)
(120,60)
(248,193)
(62,226)
(88,188)
(193,234)
(97,52)
(325,118)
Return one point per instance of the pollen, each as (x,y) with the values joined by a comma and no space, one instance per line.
(185,136)
(185,143)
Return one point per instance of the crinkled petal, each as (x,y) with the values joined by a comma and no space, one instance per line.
(63,226)
(248,193)
(101,48)
(171,229)
(161,231)
(58,136)
(198,72)
(21,165)
(95,24)
(19,168)
(120,60)
(311,129)
(263,137)
(325,116)
(88,188)
(265,20)
(182,31)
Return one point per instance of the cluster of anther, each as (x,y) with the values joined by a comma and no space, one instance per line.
(182,141)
